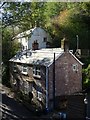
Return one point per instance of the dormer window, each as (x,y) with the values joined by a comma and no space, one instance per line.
(24,69)
(36,71)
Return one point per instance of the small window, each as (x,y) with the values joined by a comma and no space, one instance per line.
(23,47)
(39,95)
(75,67)
(28,54)
(36,71)
(25,69)
(45,39)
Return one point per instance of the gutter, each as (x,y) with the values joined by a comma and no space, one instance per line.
(54,82)
(47,87)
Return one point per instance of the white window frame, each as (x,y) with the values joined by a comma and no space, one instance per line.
(36,71)
(39,95)
(75,67)
(25,67)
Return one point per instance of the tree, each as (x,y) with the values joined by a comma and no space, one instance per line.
(70,22)
(9,49)
(23,15)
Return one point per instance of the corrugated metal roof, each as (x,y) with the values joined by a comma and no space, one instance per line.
(39,57)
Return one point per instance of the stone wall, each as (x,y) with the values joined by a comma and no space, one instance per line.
(68,76)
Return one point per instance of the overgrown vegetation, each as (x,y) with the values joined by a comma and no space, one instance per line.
(9,49)
(86,77)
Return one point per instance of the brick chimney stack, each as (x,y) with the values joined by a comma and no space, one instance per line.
(65,44)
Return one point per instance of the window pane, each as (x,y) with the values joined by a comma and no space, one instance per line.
(39,95)
(24,69)
(36,70)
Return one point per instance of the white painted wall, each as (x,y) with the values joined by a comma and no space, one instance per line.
(24,42)
(37,34)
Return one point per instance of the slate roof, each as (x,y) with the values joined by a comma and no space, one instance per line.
(30,32)
(43,56)
(25,33)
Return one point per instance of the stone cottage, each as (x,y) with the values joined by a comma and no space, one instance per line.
(46,74)
(35,38)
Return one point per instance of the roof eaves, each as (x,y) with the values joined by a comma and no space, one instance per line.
(76,58)
(55,59)
(23,34)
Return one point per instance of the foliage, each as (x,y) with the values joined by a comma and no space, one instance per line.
(70,23)
(86,77)
(9,49)
(24,15)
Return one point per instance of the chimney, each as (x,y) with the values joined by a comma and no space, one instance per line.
(35,45)
(65,44)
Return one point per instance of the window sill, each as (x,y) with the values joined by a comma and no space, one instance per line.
(25,73)
(37,76)
(14,71)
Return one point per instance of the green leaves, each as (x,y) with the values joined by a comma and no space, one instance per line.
(71,21)
(9,48)
(86,77)
(24,15)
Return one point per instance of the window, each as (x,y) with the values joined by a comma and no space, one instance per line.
(23,47)
(28,54)
(39,95)
(45,39)
(24,69)
(36,71)
(75,67)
